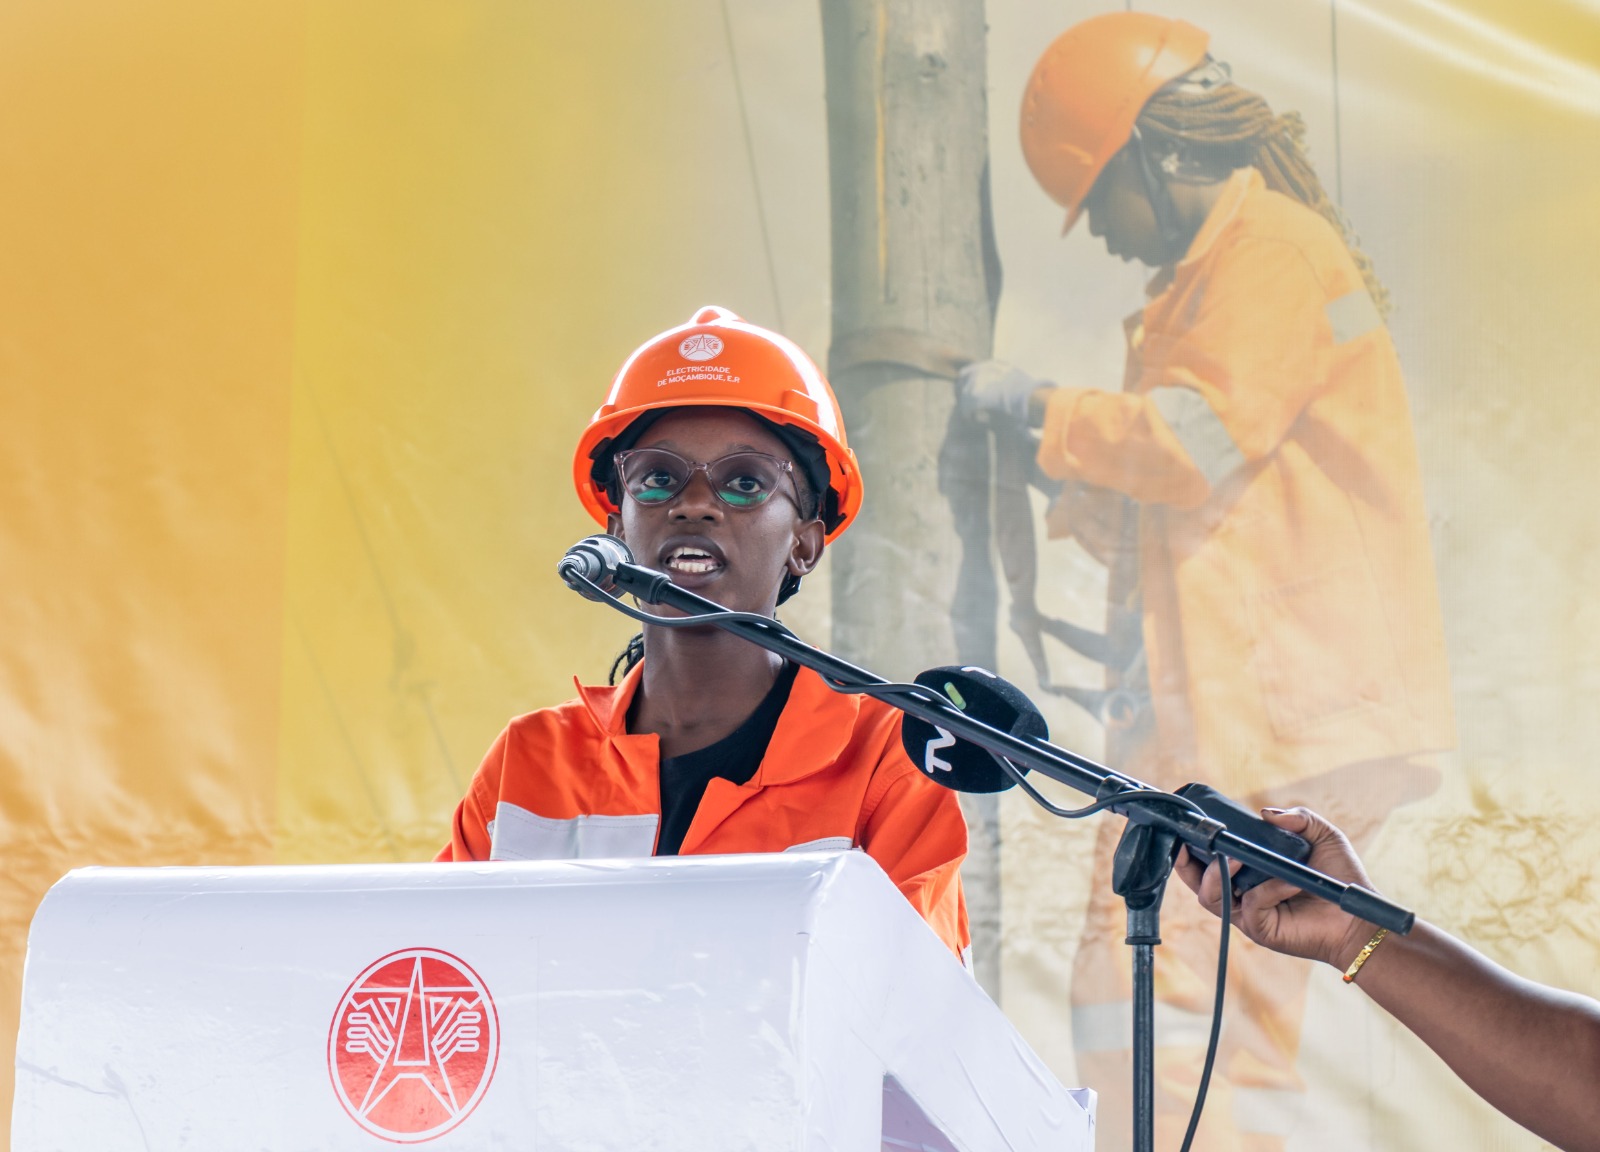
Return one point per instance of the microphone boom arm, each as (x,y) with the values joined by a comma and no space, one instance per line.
(1139,802)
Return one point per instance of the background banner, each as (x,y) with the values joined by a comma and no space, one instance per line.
(303,306)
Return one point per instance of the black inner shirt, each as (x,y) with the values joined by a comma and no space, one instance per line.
(735,757)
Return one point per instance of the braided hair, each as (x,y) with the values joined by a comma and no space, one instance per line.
(627,658)
(1224,126)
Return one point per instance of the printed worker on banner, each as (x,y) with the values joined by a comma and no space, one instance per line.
(1273,626)
(719,456)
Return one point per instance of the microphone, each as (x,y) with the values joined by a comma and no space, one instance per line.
(983,696)
(594,558)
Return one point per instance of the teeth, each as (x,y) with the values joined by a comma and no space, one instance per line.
(692,560)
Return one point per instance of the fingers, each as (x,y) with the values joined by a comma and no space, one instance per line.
(1188,870)
(1268,895)
(1214,889)
(1294,820)
(1205,883)
(1330,848)
(1303,822)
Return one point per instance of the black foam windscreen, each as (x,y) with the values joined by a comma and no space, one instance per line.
(982,695)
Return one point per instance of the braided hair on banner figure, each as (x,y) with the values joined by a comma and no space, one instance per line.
(1215,128)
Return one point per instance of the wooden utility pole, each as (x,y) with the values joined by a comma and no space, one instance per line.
(914,284)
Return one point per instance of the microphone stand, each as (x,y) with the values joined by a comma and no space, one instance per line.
(1158,821)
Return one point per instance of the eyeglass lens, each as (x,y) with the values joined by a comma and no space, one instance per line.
(740,479)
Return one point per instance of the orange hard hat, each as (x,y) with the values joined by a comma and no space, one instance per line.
(1086,92)
(720,360)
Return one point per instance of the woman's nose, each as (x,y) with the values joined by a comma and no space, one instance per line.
(698,498)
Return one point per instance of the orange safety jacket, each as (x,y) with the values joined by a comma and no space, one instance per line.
(571,782)
(1289,611)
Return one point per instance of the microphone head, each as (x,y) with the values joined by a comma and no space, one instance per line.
(611,550)
(983,696)
(595,558)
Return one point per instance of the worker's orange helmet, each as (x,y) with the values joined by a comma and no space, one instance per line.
(720,360)
(1086,92)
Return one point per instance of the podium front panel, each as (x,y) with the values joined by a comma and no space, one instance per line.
(748,1002)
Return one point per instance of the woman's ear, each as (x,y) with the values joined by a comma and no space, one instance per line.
(806,551)
(614,525)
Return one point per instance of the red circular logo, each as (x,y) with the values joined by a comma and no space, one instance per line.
(413,1045)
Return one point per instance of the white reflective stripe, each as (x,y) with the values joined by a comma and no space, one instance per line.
(1267,1111)
(522,835)
(1109,1027)
(826,844)
(1352,315)
(1200,430)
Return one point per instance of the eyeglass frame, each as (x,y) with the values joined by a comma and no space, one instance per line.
(784,466)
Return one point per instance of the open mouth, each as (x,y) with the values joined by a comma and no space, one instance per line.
(690,560)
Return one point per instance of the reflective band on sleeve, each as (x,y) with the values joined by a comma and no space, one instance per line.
(1200,430)
(1267,1111)
(523,835)
(1109,1027)
(1352,315)
(826,844)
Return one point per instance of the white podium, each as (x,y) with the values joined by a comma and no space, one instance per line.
(701,1003)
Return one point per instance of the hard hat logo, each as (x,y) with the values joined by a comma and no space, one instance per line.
(700,346)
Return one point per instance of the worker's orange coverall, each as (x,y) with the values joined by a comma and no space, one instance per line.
(1290,616)
(572,782)
(1255,491)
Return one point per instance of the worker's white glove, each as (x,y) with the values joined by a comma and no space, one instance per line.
(987,387)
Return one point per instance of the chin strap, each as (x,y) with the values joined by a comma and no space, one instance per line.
(1155,190)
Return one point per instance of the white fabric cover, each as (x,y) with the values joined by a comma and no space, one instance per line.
(791,1001)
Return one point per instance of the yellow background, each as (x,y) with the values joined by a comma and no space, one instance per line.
(302,306)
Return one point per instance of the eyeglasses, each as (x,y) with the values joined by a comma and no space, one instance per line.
(741,480)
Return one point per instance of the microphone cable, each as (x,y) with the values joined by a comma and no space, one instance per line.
(1149,794)
(1227,918)
(1216,1007)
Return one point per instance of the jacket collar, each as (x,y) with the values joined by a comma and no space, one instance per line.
(608,703)
(816,724)
(1235,190)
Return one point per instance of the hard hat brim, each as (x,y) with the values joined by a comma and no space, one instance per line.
(844,473)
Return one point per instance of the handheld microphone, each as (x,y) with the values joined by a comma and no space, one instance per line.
(595,559)
(983,696)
